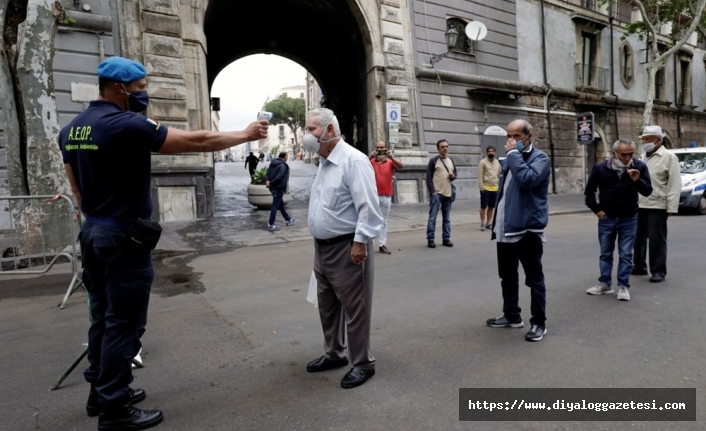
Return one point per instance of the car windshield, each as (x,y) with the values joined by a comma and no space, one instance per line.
(692,163)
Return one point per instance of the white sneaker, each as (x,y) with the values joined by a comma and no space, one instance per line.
(272,227)
(623,293)
(600,289)
(291,221)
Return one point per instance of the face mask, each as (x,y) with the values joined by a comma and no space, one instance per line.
(649,147)
(618,164)
(520,146)
(491,156)
(312,143)
(137,101)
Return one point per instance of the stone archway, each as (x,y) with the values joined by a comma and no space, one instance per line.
(332,39)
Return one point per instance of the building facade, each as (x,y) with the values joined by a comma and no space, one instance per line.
(543,60)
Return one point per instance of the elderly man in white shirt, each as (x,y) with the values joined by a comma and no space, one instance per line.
(344,219)
(656,208)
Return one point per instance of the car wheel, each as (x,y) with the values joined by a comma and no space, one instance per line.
(701,208)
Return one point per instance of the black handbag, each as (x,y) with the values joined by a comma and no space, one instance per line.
(145,233)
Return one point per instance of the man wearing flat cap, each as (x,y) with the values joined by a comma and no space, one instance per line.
(656,208)
(107,157)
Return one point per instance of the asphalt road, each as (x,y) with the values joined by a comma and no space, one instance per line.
(230,333)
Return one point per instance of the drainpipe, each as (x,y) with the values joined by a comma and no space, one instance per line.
(612,77)
(676,100)
(546,99)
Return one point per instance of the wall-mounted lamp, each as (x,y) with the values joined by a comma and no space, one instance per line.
(451,40)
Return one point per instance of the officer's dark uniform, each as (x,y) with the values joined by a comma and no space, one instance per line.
(109,151)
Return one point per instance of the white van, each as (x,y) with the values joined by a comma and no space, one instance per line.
(692,165)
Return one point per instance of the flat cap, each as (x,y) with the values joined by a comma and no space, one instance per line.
(119,69)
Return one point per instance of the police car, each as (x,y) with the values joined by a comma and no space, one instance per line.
(692,165)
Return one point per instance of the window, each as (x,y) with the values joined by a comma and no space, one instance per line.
(659,84)
(462,43)
(301,95)
(588,4)
(684,81)
(661,81)
(626,65)
(281,130)
(588,55)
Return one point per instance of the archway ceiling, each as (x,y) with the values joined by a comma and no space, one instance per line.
(322,35)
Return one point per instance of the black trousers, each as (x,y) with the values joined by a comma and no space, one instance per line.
(118,278)
(527,251)
(652,227)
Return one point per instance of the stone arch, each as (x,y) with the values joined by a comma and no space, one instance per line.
(667,141)
(337,41)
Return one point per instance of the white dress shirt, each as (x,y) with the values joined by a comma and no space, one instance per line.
(344,197)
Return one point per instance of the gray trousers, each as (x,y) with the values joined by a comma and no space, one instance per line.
(345,294)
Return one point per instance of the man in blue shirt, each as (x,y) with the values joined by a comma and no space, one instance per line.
(107,157)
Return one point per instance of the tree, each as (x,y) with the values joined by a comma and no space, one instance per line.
(291,112)
(28,111)
(274,151)
(656,13)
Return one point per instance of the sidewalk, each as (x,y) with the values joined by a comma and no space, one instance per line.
(222,233)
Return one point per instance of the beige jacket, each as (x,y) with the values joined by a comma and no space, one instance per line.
(663,166)
(488,174)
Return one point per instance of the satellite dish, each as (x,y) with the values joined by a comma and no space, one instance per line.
(476,30)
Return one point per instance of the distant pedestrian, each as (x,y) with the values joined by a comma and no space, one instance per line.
(262,157)
(618,181)
(384,165)
(344,218)
(488,180)
(277,180)
(441,172)
(656,208)
(252,161)
(520,218)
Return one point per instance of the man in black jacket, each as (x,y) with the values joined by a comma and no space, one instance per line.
(252,161)
(277,179)
(618,180)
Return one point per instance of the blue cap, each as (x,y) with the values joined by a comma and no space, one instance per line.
(119,69)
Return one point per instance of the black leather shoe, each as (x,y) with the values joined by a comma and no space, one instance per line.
(636,271)
(448,243)
(356,377)
(325,364)
(430,243)
(129,417)
(657,277)
(93,408)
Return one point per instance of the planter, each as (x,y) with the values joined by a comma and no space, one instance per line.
(260,196)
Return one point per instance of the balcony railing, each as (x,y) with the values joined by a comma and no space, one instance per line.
(591,76)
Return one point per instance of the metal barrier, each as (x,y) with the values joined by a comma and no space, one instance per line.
(29,248)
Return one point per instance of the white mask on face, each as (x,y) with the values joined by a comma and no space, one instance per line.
(312,143)
(649,147)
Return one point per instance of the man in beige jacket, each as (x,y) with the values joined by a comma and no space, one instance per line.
(656,208)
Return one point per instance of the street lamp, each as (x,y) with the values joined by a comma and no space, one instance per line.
(451,36)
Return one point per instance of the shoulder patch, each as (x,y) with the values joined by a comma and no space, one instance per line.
(153,122)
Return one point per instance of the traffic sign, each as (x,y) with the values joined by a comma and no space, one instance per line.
(394,112)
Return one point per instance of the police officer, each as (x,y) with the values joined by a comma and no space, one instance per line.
(107,157)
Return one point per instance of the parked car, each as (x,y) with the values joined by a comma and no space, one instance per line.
(692,165)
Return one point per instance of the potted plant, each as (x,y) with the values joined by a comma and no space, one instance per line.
(259,195)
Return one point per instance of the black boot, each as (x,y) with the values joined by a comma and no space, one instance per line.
(128,417)
(93,408)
